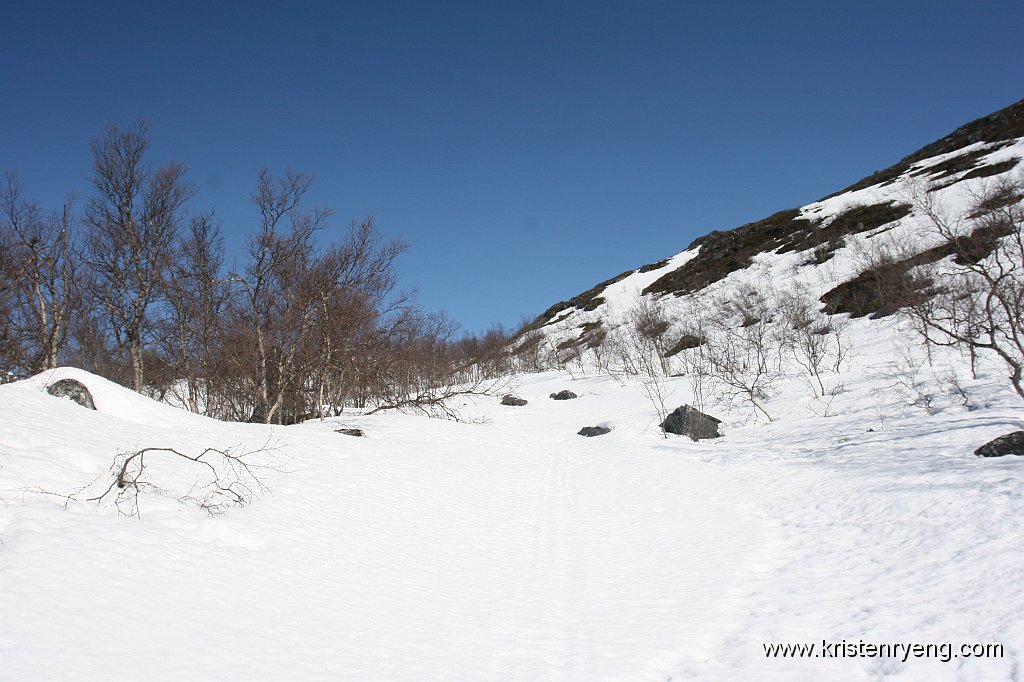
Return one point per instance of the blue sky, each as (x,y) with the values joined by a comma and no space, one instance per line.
(525,151)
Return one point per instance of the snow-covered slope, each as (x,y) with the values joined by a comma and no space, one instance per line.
(508,547)
(781,250)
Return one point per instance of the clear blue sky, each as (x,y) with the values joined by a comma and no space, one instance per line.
(525,151)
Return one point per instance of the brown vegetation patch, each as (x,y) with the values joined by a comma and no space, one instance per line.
(884,289)
(991,169)
(729,251)
(954,165)
(724,252)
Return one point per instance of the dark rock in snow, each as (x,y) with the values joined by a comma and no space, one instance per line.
(591,431)
(350,432)
(513,401)
(687,421)
(563,395)
(75,390)
(1010,444)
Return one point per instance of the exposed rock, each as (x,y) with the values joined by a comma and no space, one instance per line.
(688,421)
(685,342)
(350,432)
(591,431)
(513,401)
(563,395)
(75,390)
(1010,444)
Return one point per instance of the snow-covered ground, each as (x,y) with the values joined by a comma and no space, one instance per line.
(507,547)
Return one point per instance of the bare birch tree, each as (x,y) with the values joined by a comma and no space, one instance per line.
(37,282)
(133,220)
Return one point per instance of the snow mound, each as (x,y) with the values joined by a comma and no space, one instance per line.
(112,399)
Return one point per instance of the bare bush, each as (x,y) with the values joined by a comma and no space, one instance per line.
(693,352)
(225,478)
(816,342)
(647,329)
(745,347)
(977,295)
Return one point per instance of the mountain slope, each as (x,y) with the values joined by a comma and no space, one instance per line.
(977,153)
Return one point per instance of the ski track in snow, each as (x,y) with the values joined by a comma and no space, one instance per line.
(511,549)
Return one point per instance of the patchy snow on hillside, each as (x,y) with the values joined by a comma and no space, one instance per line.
(950,195)
(509,548)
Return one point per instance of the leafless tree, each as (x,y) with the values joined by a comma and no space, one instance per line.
(278,286)
(977,294)
(37,281)
(132,224)
(424,372)
(196,294)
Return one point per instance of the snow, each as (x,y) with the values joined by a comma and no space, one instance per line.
(509,548)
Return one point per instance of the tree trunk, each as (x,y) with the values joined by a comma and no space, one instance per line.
(137,368)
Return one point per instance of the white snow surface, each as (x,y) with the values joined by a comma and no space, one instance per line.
(507,547)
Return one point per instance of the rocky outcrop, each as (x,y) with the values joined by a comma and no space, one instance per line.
(1010,444)
(73,390)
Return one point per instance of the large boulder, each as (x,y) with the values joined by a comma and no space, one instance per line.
(1010,444)
(513,401)
(689,421)
(563,395)
(591,431)
(75,390)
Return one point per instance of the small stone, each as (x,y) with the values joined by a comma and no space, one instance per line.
(591,431)
(563,395)
(513,401)
(350,432)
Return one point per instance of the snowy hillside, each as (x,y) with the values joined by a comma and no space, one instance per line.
(815,248)
(842,514)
